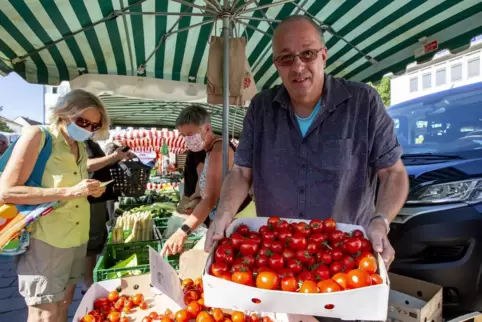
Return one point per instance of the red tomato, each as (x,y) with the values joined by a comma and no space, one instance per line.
(311,247)
(100,302)
(357,233)
(322,272)
(243,277)
(361,256)
(225,254)
(316,226)
(190,296)
(113,296)
(329,225)
(266,243)
(267,281)
(154,315)
(335,267)
(277,247)
(347,263)
(248,247)
(376,279)
(305,257)
(328,286)
(225,241)
(237,267)
(147,319)
(303,228)
(276,261)
(308,286)
(317,238)
(219,268)
(282,225)
(263,229)
(265,251)
(368,264)
(341,279)
(255,236)
(273,220)
(143,305)
(289,284)
(294,265)
(336,254)
(305,276)
(204,317)
(284,235)
(226,276)
(247,261)
(268,235)
(285,272)
(181,316)
(192,308)
(124,319)
(218,315)
(297,242)
(288,254)
(237,316)
(366,246)
(137,299)
(262,260)
(236,240)
(324,258)
(336,237)
(88,318)
(352,245)
(242,229)
(357,278)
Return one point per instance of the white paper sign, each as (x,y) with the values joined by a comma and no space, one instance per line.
(165,279)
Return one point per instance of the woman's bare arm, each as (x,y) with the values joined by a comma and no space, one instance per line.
(18,170)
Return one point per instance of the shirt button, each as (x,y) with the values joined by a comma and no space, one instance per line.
(303,166)
(302,190)
(77,223)
(76,206)
(75,173)
(301,214)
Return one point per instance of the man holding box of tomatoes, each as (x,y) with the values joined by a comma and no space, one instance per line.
(316,146)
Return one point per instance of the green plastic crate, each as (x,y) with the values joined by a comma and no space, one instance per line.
(161,224)
(155,231)
(114,253)
(173,260)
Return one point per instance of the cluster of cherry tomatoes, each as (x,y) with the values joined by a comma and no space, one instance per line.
(115,308)
(313,257)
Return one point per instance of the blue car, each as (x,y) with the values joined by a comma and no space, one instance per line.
(437,235)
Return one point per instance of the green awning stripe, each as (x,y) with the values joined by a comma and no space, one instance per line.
(161,29)
(181,44)
(63,28)
(137,40)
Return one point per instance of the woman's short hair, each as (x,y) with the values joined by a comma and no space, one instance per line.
(193,114)
(74,103)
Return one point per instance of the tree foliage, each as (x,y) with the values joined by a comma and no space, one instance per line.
(4,127)
(383,88)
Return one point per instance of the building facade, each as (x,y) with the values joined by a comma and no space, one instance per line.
(51,95)
(443,72)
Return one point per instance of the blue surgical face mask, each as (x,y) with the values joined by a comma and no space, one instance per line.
(77,133)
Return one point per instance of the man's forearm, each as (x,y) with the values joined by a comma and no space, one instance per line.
(392,194)
(99,163)
(234,191)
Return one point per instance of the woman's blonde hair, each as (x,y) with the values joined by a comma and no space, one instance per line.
(74,103)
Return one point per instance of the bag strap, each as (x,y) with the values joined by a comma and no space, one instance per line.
(35,178)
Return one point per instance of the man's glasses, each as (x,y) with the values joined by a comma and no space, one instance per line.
(305,56)
(83,123)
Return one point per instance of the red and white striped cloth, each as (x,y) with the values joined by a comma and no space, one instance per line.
(160,186)
(151,140)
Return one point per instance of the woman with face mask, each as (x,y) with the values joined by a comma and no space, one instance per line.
(54,262)
(194,123)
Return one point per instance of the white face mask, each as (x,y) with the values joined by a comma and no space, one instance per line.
(195,143)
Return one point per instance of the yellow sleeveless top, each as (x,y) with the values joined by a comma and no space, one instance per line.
(68,225)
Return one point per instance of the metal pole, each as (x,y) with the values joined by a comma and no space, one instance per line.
(226,36)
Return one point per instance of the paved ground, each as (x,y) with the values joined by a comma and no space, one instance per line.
(12,305)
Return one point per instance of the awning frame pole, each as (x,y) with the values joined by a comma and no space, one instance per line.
(265,6)
(182,14)
(192,5)
(226,38)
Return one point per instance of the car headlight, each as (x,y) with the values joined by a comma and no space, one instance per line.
(469,191)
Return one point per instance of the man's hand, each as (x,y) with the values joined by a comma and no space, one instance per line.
(377,234)
(217,229)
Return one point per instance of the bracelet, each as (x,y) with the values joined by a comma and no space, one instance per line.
(385,220)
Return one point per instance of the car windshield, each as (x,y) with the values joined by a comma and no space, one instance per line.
(445,122)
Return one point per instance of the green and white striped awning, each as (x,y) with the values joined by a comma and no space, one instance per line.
(125,111)
(49,41)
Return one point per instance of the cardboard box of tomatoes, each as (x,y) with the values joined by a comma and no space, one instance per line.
(318,268)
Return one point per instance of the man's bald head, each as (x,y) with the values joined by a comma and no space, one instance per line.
(296,19)
(3,143)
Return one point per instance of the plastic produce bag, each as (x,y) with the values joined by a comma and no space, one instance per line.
(176,221)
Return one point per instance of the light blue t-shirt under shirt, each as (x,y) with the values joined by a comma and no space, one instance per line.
(305,122)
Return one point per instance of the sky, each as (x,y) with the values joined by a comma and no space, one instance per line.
(19,98)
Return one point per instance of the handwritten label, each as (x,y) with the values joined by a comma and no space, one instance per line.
(164,278)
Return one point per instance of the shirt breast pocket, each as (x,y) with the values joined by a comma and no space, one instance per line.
(334,155)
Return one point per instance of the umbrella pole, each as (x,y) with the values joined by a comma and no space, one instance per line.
(226,36)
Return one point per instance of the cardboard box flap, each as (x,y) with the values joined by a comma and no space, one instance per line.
(191,263)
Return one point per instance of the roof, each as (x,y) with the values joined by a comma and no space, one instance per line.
(50,41)
(29,121)
(126,111)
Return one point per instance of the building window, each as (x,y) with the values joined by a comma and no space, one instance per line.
(473,67)
(441,77)
(426,80)
(413,84)
(55,90)
(456,72)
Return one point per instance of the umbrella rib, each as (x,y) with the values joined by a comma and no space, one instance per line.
(215,5)
(264,16)
(247,3)
(254,28)
(182,14)
(192,5)
(329,29)
(114,14)
(260,19)
(265,6)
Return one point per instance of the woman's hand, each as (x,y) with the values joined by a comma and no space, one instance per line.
(174,244)
(87,187)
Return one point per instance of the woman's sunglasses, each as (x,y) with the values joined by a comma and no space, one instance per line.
(83,123)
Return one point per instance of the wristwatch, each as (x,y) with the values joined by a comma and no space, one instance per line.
(186,229)
(385,220)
